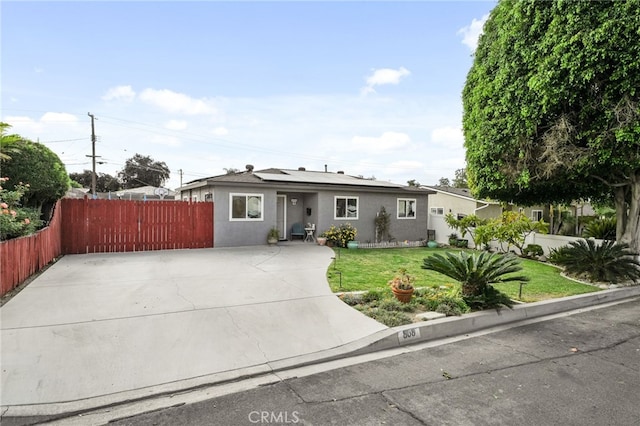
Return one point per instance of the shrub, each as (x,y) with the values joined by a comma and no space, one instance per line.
(16,221)
(603,229)
(388,318)
(476,271)
(532,250)
(372,296)
(341,235)
(607,262)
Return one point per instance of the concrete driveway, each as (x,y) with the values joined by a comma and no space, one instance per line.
(102,328)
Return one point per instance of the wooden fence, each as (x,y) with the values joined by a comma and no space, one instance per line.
(100,226)
(22,257)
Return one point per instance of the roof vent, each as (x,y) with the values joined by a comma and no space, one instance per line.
(340,172)
(249,167)
(302,169)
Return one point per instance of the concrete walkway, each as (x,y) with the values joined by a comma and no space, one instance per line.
(98,329)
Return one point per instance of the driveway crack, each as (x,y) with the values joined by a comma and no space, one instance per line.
(264,355)
(181,296)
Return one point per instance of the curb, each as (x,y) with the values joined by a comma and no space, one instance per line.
(454,326)
(391,338)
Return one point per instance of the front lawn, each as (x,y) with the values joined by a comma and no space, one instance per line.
(371,269)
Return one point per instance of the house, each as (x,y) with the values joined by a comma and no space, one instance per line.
(247,204)
(460,203)
(143,193)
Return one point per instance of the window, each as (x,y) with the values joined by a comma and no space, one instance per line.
(208,196)
(245,206)
(346,208)
(438,211)
(406,208)
(460,216)
(536,215)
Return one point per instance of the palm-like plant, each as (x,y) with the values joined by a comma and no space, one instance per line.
(476,272)
(607,262)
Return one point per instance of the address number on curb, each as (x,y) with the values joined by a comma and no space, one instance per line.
(408,334)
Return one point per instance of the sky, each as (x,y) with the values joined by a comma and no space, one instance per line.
(366,87)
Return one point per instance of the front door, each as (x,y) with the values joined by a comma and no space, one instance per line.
(281,216)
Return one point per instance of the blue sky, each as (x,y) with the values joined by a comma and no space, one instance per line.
(370,88)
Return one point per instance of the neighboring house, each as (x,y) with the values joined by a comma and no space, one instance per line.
(247,204)
(460,203)
(140,194)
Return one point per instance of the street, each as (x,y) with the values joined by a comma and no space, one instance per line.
(571,370)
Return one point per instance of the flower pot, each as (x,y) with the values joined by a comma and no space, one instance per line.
(322,241)
(403,296)
(272,241)
(432,244)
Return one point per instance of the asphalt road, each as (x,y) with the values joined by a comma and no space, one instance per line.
(572,370)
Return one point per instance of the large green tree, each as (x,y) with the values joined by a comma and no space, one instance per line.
(552,106)
(104,181)
(36,165)
(141,170)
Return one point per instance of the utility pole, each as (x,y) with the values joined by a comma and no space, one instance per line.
(181,173)
(93,155)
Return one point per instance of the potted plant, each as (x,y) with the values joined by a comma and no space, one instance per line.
(273,236)
(453,239)
(402,286)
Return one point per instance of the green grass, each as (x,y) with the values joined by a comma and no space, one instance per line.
(371,269)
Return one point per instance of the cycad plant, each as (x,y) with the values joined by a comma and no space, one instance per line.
(604,228)
(476,271)
(608,262)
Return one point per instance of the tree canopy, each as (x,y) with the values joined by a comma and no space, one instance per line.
(142,170)
(104,181)
(552,106)
(35,164)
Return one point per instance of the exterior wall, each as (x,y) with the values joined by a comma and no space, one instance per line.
(197,194)
(242,233)
(315,207)
(369,205)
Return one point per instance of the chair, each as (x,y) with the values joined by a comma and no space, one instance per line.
(297,230)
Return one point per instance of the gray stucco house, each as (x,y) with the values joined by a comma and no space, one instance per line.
(247,204)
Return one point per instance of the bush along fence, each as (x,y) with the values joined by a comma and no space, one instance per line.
(22,257)
(98,226)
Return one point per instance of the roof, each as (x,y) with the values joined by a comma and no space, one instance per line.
(288,176)
(458,192)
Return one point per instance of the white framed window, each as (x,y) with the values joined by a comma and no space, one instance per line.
(406,208)
(246,206)
(437,211)
(536,215)
(345,207)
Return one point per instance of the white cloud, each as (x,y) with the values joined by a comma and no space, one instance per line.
(471,32)
(220,131)
(176,125)
(388,141)
(384,76)
(449,137)
(58,117)
(176,102)
(119,93)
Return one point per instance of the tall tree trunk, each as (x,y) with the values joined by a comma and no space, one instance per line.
(630,214)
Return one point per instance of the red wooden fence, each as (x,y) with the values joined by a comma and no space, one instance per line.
(98,226)
(22,257)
